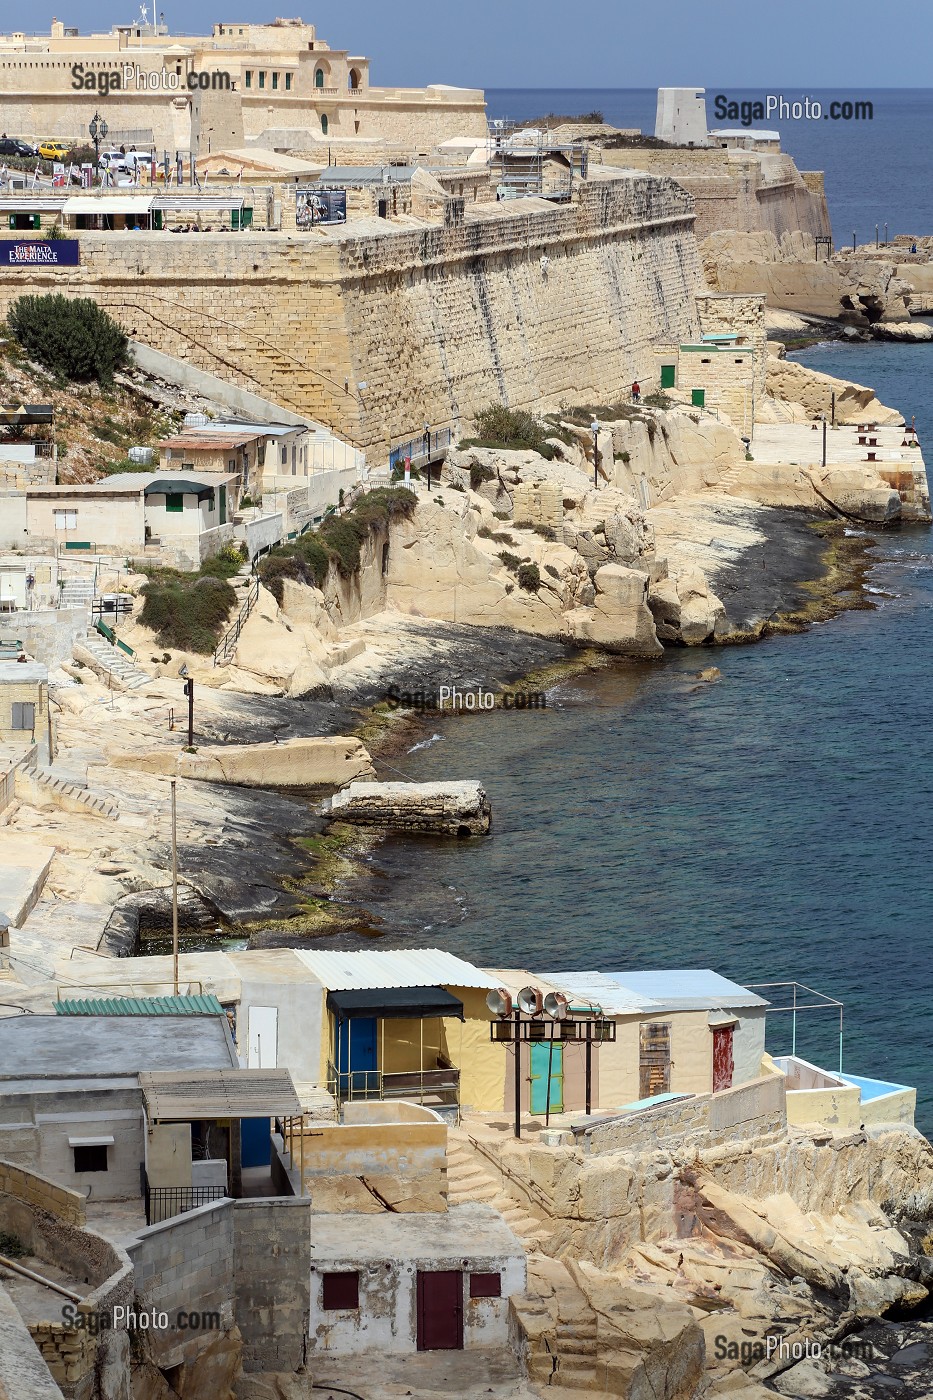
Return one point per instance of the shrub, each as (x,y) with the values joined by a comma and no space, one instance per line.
(187,610)
(549,569)
(657,400)
(337,541)
(70,336)
(498,536)
(513,429)
(511,561)
(480,473)
(456,486)
(529,578)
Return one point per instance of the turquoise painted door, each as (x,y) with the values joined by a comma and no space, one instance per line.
(541,1050)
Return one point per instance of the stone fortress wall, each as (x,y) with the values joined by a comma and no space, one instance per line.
(747,191)
(550,305)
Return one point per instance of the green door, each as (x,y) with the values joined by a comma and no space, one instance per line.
(698,398)
(541,1050)
(668,376)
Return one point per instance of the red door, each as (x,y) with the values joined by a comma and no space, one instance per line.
(440,1310)
(722,1058)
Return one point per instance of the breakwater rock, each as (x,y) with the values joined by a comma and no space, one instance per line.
(457,809)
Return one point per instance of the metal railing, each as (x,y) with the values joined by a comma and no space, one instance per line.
(423,448)
(227,644)
(164,1202)
(422,1086)
(799,998)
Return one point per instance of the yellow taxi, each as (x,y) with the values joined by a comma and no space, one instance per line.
(53,150)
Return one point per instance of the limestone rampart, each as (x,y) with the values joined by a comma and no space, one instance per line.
(550,304)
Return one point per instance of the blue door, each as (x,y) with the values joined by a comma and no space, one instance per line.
(255,1142)
(545,1055)
(356,1058)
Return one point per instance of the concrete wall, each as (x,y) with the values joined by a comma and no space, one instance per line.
(272,1260)
(404,1163)
(299,1002)
(110,520)
(35,1128)
(210,386)
(754,1110)
(23,1372)
(31,692)
(49,633)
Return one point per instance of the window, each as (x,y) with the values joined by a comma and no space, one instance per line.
(319,78)
(262,80)
(91,1158)
(249,77)
(288,82)
(341,1291)
(66,519)
(485,1285)
(284,455)
(223,505)
(24,221)
(275,81)
(24,715)
(175,501)
(324,126)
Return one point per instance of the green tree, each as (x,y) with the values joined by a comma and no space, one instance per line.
(70,336)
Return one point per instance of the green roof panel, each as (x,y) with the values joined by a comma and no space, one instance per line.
(198,1005)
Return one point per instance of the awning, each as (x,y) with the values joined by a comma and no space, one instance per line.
(25,204)
(410,1003)
(182,486)
(195,202)
(108,204)
(185,1097)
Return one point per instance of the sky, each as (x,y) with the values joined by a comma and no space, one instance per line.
(606,44)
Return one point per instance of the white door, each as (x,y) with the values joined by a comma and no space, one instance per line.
(262,1038)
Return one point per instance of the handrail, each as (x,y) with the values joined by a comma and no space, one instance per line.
(227,644)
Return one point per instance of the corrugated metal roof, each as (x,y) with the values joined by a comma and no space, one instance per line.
(194,1005)
(219,1093)
(401,967)
(604,990)
(686,989)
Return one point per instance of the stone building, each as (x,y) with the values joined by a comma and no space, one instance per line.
(277,83)
(24,702)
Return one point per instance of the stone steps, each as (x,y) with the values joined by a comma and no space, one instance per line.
(62,790)
(116,664)
(468,1180)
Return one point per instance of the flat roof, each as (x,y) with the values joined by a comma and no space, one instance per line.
(687,988)
(15,672)
(220,1093)
(457,1234)
(101,1045)
(212,439)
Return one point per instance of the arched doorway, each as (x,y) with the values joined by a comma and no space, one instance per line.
(355,79)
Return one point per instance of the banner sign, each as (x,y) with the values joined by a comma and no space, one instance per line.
(320,207)
(54,252)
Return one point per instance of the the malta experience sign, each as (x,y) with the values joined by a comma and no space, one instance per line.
(49,252)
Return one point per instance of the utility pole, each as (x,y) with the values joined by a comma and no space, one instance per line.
(518,1073)
(174,894)
(824,441)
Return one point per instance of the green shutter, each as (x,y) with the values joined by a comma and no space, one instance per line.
(174,501)
(668,376)
(223,505)
(698,398)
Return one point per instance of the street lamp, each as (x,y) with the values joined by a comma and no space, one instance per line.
(98,131)
(594,429)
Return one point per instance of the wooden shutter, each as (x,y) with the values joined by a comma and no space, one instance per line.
(654,1059)
(341,1291)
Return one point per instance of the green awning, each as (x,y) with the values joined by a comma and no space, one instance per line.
(142,1006)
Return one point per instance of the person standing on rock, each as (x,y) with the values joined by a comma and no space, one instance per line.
(636,392)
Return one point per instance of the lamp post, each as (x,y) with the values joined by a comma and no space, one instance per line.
(594,429)
(98,131)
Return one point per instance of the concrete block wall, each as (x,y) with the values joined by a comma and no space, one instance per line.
(186,1263)
(35,1190)
(272,1261)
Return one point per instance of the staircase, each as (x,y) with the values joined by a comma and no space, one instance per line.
(560,1330)
(469,1180)
(76,592)
(113,664)
(70,797)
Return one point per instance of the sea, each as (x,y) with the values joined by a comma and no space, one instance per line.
(774,825)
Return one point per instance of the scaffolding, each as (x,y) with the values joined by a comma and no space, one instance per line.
(795,993)
(517,155)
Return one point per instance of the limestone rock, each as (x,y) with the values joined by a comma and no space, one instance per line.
(805,1379)
(459,809)
(273,1385)
(685,610)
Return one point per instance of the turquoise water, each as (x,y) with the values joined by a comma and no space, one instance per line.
(772,826)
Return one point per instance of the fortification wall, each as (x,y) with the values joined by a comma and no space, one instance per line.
(738,190)
(533,308)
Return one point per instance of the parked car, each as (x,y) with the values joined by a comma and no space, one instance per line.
(54,150)
(12,146)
